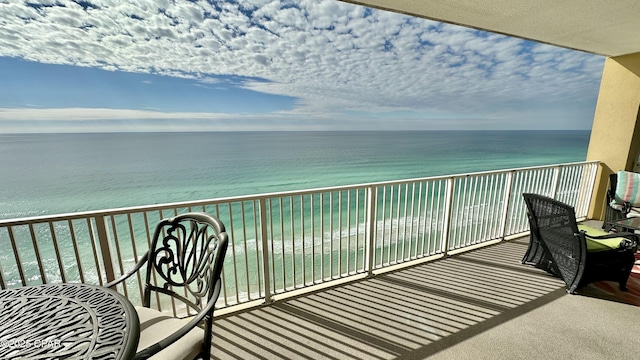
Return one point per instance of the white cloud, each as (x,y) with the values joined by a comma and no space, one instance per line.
(82,114)
(333,56)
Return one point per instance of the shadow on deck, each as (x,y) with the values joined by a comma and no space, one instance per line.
(481,304)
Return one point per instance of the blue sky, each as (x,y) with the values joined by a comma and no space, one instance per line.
(162,65)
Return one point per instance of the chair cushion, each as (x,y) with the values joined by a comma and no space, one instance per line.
(634,212)
(628,188)
(600,245)
(156,325)
(614,205)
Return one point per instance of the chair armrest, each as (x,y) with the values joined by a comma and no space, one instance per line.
(626,206)
(610,196)
(164,343)
(141,262)
(610,236)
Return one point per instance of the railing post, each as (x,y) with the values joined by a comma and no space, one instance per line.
(555,181)
(372,204)
(446,222)
(265,251)
(103,240)
(507,204)
(593,170)
(588,172)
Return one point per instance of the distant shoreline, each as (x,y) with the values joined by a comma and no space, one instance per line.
(290,131)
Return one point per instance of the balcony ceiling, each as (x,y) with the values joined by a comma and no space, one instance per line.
(610,28)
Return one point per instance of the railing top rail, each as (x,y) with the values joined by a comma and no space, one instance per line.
(213,201)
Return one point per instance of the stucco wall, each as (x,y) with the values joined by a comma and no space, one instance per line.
(615,136)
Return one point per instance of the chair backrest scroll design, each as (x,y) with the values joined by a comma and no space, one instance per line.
(186,252)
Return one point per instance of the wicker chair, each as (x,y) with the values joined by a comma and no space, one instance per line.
(185,256)
(561,248)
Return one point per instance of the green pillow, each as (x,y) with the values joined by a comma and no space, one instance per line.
(600,245)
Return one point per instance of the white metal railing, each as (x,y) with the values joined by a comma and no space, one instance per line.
(286,241)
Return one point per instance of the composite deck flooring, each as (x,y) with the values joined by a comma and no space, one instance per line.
(482,304)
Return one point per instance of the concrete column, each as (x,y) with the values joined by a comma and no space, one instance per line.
(615,135)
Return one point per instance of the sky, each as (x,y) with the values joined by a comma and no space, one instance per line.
(163,65)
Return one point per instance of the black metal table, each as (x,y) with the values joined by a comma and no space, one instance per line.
(67,321)
(628,225)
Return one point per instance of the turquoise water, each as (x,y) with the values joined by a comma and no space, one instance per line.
(59,173)
(50,174)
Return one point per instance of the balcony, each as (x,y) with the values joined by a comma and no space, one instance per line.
(402,269)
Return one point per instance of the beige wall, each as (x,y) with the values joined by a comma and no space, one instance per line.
(615,136)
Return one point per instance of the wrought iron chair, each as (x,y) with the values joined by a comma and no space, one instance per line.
(618,207)
(560,247)
(185,263)
(610,214)
(613,212)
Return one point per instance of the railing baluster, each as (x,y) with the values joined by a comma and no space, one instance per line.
(76,253)
(147,230)
(116,241)
(322,228)
(56,249)
(339,234)
(16,255)
(494,184)
(92,237)
(592,169)
(3,285)
(272,241)
(446,221)
(103,240)
(455,214)
(331,231)
(435,203)
(417,226)
(232,245)
(404,228)
(398,225)
(478,208)
(422,214)
(246,249)
(506,202)
(355,256)
(384,223)
(265,250)
(304,245)
(284,269)
(555,182)
(371,224)
(293,241)
(497,183)
(348,232)
(135,253)
(465,203)
(313,238)
(36,248)
(390,226)
(255,236)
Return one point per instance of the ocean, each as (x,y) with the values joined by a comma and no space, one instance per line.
(46,174)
